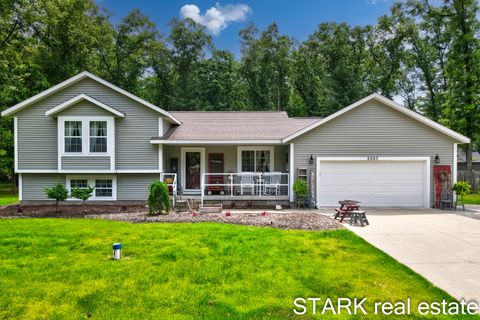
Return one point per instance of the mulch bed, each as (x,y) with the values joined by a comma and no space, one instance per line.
(68,211)
(138,214)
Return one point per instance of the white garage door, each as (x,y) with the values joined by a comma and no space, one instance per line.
(379,183)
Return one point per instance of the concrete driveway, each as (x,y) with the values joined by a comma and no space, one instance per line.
(442,247)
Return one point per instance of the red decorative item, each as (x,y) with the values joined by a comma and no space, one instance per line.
(264,213)
(228,214)
(195,214)
(442,175)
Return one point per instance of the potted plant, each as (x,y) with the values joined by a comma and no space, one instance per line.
(461,188)
(300,188)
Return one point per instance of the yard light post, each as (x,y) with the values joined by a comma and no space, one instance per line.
(117,251)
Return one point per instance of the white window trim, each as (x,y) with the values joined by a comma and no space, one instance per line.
(255,148)
(160,146)
(86,138)
(91,182)
(184,167)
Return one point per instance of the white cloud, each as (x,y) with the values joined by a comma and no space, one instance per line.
(216,18)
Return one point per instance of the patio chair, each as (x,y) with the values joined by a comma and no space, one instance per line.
(446,199)
(246,182)
(272,183)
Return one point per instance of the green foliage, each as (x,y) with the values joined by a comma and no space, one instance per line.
(68,266)
(462,188)
(82,193)
(300,187)
(158,198)
(57,192)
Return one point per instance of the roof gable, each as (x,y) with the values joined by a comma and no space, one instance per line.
(387,102)
(77,99)
(26,103)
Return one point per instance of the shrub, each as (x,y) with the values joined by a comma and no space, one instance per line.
(58,192)
(158,198)
(82,193)
(462,188)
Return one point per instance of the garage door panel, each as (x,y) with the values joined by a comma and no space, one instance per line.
(375,183)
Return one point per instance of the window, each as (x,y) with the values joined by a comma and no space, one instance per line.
(103,188)
(259,159)
(98,136)
(248,161)
(78,183)
(73,136)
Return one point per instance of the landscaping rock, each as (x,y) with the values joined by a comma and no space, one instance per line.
(290,221)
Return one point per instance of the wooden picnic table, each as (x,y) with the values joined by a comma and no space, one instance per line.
(346,207)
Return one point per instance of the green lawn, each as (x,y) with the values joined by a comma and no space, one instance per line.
(6,195)
(61,268)
(473,198)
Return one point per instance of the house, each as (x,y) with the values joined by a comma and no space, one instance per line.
(462,160)
(86,131)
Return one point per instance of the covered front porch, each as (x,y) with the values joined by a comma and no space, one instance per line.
(229,173)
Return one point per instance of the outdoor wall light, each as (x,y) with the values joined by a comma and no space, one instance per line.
(311,159)
(437,158)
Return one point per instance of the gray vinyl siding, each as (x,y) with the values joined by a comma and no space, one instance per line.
(134,186)
(86,163)
(33,184)
(229,154)
(85,108)
(166,127)
(37,133)
(372,129)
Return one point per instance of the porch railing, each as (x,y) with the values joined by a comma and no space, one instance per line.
(249,184)
(171,180)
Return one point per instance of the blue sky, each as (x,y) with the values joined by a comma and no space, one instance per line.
(295,18)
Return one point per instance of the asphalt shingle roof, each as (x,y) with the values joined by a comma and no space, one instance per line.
(235,125)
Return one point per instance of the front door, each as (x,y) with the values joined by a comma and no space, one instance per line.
(192,168)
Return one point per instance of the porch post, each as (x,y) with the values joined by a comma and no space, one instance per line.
(160,158)
(291,172)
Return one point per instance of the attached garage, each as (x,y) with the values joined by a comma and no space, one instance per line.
(376,182)
(375,151)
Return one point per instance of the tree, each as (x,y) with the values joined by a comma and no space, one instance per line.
(67,34)
(158,198)
(328,68)
(126,55)
(463,72)
(188,41)
(386,53)
(429,39)
(58,192)
(218,77)
(82,193)
(265,64)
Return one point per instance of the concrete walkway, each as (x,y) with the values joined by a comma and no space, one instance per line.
(441,246)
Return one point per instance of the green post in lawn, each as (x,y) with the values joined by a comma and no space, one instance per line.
(461,188)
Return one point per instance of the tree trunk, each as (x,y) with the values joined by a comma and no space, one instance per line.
(469,174)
